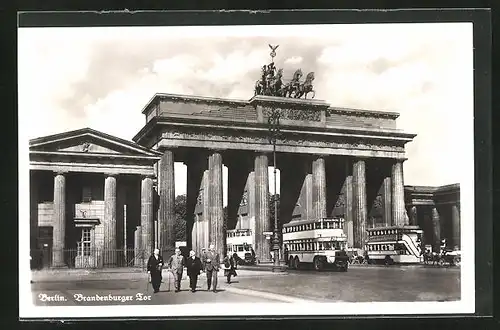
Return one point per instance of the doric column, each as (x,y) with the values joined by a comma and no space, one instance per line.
(387,201)
(216,203)
(110,220)
(59,223)
(319,187)
(455,225)
(436,229)
(33,216)
(309,207)
(262,221)
(413,216)
(348,211)
(140,255)
(398,198)
(205,231)
(359,203)
(147,219)
(166,215)
(252,206)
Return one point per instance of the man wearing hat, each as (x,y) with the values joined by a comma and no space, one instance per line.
(176,264)
(212,265)
(155,264)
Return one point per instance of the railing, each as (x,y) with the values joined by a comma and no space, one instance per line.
(90,259)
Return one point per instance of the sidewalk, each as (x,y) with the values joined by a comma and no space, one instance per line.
(69,275)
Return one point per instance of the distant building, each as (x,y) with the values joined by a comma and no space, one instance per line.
(437,211)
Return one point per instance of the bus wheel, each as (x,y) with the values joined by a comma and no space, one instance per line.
(296,263)
(318,264)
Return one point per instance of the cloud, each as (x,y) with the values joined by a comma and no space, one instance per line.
(72,78)
(294,60)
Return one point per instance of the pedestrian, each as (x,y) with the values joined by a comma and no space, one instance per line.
(211,265)
(230,266)
(286,255)
(176,265)
(194,266)
(155,265)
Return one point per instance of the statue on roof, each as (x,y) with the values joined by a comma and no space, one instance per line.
(271,81)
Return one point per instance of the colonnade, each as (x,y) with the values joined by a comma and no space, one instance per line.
(205,194)
(145,240)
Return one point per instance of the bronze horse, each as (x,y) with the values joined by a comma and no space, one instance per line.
(293,86)
(260,84)
(306,87)
(275,85)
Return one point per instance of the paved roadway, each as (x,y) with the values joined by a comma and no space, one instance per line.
(365,284)
(359,284)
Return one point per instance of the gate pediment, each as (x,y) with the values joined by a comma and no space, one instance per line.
(88,141)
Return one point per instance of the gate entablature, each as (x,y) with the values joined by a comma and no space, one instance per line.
(307,126)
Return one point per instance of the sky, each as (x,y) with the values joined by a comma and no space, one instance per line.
(70,78)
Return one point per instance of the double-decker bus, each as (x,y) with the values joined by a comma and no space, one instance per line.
(321,242)
(395,244)
(240,241)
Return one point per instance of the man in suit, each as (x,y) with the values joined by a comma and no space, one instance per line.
(212,265)
(155,264)
(193,265)
(176,264)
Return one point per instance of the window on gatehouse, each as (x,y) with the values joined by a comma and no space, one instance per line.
(83,245)
(87,194)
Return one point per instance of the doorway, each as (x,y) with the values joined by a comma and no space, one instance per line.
(45,247)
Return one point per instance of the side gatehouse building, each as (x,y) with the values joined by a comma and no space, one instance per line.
(101,201)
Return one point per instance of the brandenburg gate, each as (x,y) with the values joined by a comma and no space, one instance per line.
(344,160)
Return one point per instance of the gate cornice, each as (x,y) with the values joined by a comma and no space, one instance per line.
(306,126)
(185,123)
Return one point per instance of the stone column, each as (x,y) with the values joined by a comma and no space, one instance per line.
(359,204)
(436,229)
(33,218)
(139,254)
(262,221)
(319,187)
(218,235)
(252,206)
(387,201)
(205,231)
(309,207)
(59,223)
(110,220)
(348,213)
(147,219)
(413,216)
(455,226)
(398,198)
(166,215)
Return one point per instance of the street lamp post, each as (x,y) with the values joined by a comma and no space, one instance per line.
(274,131)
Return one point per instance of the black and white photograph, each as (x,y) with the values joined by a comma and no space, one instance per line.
(314,169)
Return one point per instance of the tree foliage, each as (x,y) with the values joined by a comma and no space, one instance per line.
(180,218)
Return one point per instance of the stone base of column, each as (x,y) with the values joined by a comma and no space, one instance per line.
(58,259)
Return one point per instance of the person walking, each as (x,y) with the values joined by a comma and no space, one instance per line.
(230,266)
(176,265)
(194,266)
(211,265)
(155,265)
